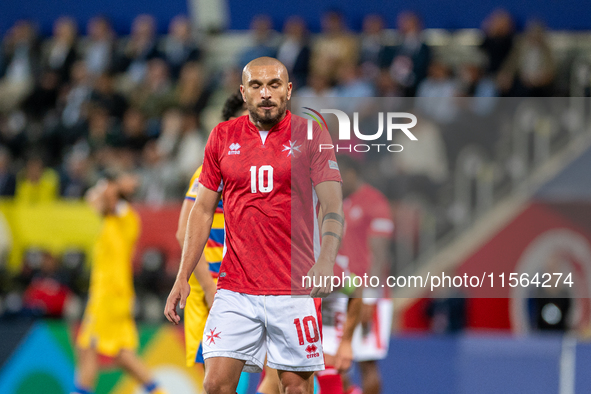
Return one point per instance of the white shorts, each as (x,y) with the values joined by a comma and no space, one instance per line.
(247,327)
(334,315)
(372,342)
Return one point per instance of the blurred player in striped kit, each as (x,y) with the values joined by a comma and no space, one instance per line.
(108,327)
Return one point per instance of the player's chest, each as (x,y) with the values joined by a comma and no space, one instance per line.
(356,218)
(248,160)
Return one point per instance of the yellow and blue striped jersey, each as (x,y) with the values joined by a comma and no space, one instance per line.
(214,249)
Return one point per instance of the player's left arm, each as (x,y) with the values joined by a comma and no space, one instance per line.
(330,197)
(344,356)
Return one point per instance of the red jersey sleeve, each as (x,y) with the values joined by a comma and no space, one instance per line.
(323,162)
(211,175)
(381,223)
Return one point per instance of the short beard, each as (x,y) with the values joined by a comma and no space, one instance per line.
(266,119)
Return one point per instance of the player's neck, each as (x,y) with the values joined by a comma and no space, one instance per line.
(266,126)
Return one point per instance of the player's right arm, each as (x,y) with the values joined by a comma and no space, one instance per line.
(380,233)
(197,233)
(96,197)
(201,272)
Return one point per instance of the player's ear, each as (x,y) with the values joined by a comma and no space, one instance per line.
(242,93)
(289,88)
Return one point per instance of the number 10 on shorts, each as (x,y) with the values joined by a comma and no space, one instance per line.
(307,320)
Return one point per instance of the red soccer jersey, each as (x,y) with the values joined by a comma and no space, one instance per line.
(367,214)
(268,179)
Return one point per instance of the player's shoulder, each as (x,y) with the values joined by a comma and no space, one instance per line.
(299,128)
(301,123)
(298,121)
(125,212)
(196,173)
(230,125)
(371,194)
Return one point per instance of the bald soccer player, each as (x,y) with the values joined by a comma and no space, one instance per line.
(265,168)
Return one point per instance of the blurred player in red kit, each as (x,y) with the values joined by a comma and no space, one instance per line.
(268,173)
(364,250)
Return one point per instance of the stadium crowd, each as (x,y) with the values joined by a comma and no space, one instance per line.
(84,100)
(73,104)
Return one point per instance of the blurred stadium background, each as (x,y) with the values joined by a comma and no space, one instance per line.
(87,87)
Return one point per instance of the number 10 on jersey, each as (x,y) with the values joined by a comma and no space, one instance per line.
(263,172)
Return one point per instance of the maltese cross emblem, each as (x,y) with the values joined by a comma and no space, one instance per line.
(291,148)
(212,336)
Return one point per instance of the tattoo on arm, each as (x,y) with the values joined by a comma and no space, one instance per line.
(330,233)
(334,216)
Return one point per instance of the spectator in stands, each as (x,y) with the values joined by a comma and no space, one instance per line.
(427,159)
(75,176)
(191,146)
(43,97)
(230,79)
(350,83)
(264,40)
(99,135)
(373,45)
(334,46)
(99,50)
(156,93)
(120,149)
(530,68)
(20,64)
(386,86)
(46,295)
(294,51)
(475,103)
(7,178)
(160,180)
(61,53)
(133,131)
(36,183)
(12,133)
(170,132)
(500,32)
(408,62)
(436,93)
(318,86)
(77,96)
(179,46)
(138,51)
(192,90)
(472,81)
(105,95)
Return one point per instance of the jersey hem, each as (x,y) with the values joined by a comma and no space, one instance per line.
(335,179)
(267,292)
